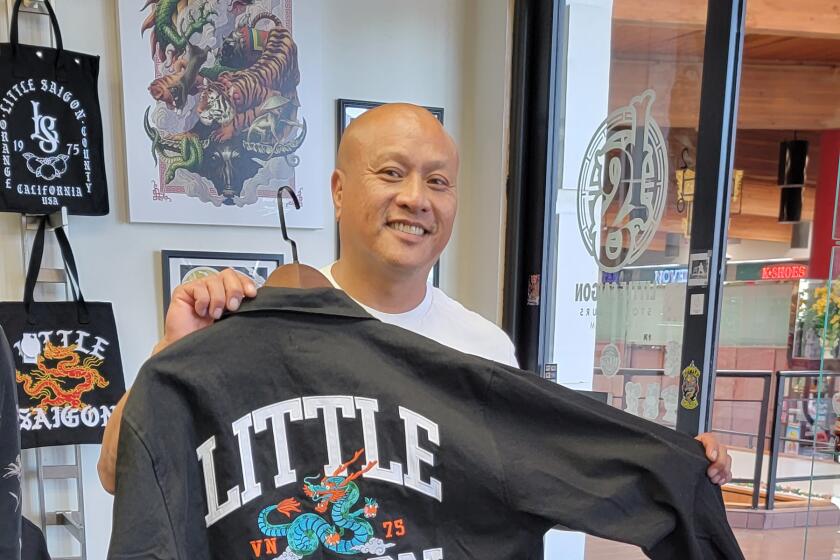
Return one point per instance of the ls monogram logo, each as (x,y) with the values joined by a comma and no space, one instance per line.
(623,185)
(45,132)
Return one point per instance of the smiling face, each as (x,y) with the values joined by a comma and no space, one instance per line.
(394,189)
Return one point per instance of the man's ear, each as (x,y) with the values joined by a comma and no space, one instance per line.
(337,187)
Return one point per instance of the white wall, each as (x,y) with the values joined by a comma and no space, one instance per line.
(477,256)
(449,53)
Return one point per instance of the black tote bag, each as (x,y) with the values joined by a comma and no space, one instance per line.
(50,128)
(67,359)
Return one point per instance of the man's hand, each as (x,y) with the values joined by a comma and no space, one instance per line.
(720,470)
(194,305)
(200,303)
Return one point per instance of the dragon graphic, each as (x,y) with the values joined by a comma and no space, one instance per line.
(173,89)
(187,150)
(238,109)
(47,383)
(310,531)
(166,31)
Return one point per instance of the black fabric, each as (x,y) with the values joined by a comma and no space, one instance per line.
(50,128)
(9,457)
(34,544)
(67,356)
(483,458)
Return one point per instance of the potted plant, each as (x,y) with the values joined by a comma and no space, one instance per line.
(819,316)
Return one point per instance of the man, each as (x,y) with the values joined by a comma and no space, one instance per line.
(395,196)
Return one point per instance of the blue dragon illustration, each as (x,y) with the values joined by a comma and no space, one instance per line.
(309,531)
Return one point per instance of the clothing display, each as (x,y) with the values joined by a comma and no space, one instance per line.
(68,357)
(9,457)
(300,427)
(51,128)
(446,321)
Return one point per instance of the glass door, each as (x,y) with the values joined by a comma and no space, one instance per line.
(629,98)
(779,317)
(629,165)
(820,310)
(627,115)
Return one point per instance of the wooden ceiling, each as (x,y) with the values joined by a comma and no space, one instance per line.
(785,18)
(791,70)
(791,50)
(790,82)
(636,41)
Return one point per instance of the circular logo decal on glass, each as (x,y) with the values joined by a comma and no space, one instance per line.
(610,360)
(623,184)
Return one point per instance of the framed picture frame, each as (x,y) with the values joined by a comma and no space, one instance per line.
(231,176)
(349,109)
(183,266)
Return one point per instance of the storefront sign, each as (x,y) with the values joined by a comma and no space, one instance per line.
(670,276)
(639,293)
(784,272)
(771,271)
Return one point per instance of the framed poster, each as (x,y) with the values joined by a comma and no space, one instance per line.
(183,266)
(349,109)
(222,106)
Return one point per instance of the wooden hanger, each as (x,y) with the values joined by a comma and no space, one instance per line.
(294,275)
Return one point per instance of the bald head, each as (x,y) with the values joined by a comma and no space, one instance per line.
(373,127)
(394,193)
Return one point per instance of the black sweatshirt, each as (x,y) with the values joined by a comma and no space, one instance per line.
(10,468)
(301,427)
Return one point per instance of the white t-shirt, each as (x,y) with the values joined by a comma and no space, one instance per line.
(447,322)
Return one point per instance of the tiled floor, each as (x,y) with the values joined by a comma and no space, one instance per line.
(778,544)
(786,518)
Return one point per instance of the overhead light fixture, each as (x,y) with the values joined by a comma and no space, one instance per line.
(685,192)
(793,161)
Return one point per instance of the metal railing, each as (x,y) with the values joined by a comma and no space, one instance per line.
(751,437)
(760,436)
(776,438)
(761,430)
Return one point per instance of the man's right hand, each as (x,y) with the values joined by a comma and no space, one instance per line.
(194,305)
(200,303)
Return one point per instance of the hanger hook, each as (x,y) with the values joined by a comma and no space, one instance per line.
(282,212)
(683,155)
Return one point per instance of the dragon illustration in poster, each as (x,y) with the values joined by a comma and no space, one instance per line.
(225,109)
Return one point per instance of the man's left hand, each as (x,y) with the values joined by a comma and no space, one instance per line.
(720,470)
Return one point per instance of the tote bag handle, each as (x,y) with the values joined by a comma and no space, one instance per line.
(13,31)
(69,265)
